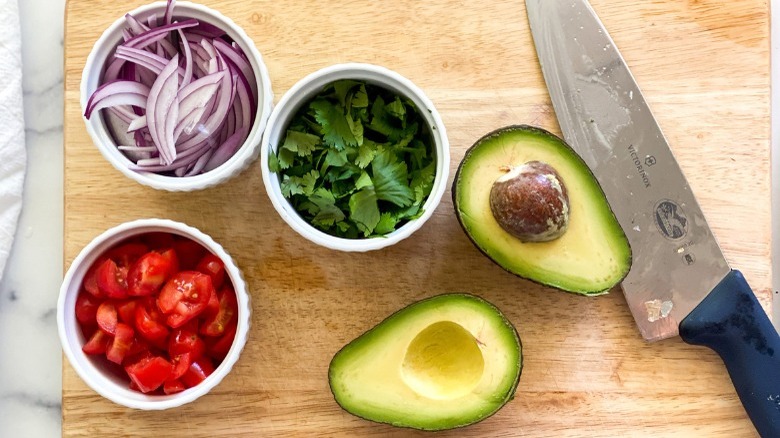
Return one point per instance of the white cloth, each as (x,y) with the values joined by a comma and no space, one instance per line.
(12,153)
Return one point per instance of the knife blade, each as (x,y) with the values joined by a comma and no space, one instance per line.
(679,281)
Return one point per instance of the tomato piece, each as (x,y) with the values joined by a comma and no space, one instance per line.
(147,275)
(215,325)
(123,339)
(218,347)
(212,308)
(173,260)
(189,253)
(150,322)
(184,297)
(98,343)
(212,266)
(106,317)
(126,311)
(183,341)
(158,240)
(86,308)
(172,386)
(197,372)
(181,363)
(126,254)
(90,279)
(149,373)
(112,280)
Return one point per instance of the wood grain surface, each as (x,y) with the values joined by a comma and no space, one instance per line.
(704,67)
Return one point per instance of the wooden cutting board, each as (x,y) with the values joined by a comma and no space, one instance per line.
(704,67)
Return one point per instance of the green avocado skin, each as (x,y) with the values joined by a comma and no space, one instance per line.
(383,331)
(613,230)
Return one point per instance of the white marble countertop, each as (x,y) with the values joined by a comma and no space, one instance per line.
(31,358)
(31,361)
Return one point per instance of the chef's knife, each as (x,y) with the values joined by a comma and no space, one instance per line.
(679,280)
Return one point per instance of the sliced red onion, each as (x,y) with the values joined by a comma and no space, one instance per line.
(158,33)
(162,110)
(187,55)
(117,93)
(136,27)
(137,123)
(169,11)
(239,60)
(190,106)
(226,150)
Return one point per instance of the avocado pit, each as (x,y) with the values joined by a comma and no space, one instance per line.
(531,202)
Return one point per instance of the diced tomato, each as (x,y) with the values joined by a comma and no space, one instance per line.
(197,372)
(139,310)
(173,260)
(86,308)
(172,386)
(112,280)
(90,278)
(150,322)
(212,307)
(218,347)
(215,325)
(186,341)
(126,311)
(149,373)
(181,363)
(184,297)
(123,339)
(212,266)
(126,254)
(189,253)
(158,241)
(98,343)
(106,317)
(147,275)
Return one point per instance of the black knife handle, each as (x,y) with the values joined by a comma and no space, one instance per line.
(732,322)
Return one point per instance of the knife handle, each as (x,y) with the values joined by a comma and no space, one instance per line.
(732,322)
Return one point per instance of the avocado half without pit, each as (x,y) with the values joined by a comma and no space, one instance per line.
(440,363)
(531,204)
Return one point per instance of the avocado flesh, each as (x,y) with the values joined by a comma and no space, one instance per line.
(592,256)
(440,363)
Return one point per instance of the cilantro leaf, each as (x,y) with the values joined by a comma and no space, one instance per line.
(364,210)
(396,109)
(285,158)
(273,163)
(328,213)
(380,121)
(366,154)
(299,185)
(360,98)
(390,180)
(301,143)
(337,132)
(386,225)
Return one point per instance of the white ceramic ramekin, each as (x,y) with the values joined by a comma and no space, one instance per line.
(305,90)
(90,368)
(96,125)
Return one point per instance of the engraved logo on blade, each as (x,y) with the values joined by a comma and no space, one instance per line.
(671,220)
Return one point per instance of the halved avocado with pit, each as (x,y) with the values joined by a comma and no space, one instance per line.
(440,363)
(589,258)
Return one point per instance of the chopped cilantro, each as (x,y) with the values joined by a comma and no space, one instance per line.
(357,160)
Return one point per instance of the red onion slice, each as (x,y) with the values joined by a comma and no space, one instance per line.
(156,34)
(117,93)
(162,109)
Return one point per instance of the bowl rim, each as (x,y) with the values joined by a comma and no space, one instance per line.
(298,95)
(71,338)
(97,130)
